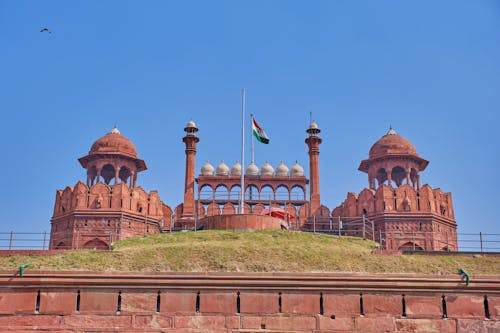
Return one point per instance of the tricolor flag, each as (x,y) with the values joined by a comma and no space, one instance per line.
(259,133)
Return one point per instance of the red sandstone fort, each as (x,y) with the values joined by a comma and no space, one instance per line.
(398,212)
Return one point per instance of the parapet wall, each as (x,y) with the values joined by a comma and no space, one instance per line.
(242,222)
(226,302)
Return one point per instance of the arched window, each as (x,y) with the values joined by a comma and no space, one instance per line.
(124,174)
(266,193)
(206,192)
(282,193)
(398,174)
(251,193)
(381,176)
(235,192)
(221,192)
(108,173)
(297,193)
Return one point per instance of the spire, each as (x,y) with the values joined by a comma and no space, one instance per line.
(391,131)
(115,130)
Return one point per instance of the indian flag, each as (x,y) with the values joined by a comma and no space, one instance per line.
(259,133)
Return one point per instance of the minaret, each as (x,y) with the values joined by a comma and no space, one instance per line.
(313,142)
(190,140)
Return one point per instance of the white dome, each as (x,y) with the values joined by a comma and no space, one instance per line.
(236,169)
(207,169)
(222,169)
(267,170)
(313,125)
(252,170)
(191,123)
(296,170)
(282,170)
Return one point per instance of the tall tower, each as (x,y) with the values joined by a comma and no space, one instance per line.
(191,139)
(313,142)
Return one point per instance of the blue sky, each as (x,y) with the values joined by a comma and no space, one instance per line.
(431,69)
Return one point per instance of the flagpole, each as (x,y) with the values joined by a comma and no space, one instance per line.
(251,135)
(242,202)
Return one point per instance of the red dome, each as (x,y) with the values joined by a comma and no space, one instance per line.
(114,143)
(392,144)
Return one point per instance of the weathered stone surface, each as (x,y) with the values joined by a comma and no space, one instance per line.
(477,326)
(133,301)
(337,324)
(382,305)
(153,321)
(423,306)
(58,302)
(296,322)
(494,306)
(98,321)
(300,303)
(426,325)
(259,302)
(233,321)
(200,321)
(98,301)
(252,322)
(375,324)
(31,321)
(17,302)
(178,301)
(218,302)
(341,304)
(465,306)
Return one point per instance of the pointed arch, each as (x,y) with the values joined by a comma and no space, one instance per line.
(97,244)
(410,246)
(282,193)
(251,193)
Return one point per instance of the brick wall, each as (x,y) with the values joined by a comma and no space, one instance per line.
(112,302)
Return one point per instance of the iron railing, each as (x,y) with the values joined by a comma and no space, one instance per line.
(467,242)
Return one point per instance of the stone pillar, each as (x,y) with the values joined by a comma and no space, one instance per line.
(313,142)
(117,175)
(418,182)
(190,140)
(389,179)
(408,180)
(132,179)
(371,181)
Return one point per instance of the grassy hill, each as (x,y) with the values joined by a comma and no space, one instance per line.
(263,251)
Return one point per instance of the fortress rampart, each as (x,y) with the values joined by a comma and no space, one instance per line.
(247,302)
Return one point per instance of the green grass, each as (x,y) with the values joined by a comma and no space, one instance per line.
(262,251)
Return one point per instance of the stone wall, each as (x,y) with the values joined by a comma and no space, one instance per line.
(227,302)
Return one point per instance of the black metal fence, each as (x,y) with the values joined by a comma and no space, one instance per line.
(467,242)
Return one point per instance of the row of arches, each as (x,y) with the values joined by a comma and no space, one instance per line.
(252,193)
(109,172)
(395,177)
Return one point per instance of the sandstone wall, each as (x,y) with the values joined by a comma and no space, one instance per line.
(225,302)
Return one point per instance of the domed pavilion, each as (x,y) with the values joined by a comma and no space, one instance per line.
(109,206)
(395,209)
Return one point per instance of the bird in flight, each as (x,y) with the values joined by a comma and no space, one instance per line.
(45,30)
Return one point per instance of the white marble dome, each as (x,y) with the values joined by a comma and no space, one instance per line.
(282,170)
(222,169)
(267,170)
(207,169)
(296,170)
(236,169)
(191,124)
(252,170)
